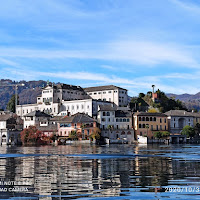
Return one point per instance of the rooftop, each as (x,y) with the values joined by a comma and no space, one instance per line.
(150,114)
(66,86)
(107,108)
(123,113)
(78,118)
(101,88)
(37,113)
(182,113)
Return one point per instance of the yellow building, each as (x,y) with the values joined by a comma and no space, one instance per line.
(146,124)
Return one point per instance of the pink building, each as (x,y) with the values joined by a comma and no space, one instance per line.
(83,124)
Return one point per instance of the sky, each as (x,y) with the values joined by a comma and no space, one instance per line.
(131,44)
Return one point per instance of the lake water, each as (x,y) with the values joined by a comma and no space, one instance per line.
(100,172)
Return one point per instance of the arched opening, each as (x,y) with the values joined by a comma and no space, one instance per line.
(181,123)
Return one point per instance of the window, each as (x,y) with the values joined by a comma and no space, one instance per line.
(109,119)
(140,126)
(127,126)
(165,128)
(150,118)
(147,119)
(143,125)
(115,91)
(165,120)
(90,93)
(124,120)
(82,106)
(160,127)
(128,120)
(108,113)
(99,92)
(77,107)
(95,93)
(143,118)
(152,127)
(157,127)
(104,113)
(154,119)
(117,127)
(109,91)
(104,92)
(160,120)
(117,120)
(174,125)
(75,125)
(140,119)
(120,120)
(104,99)
(72,107)
(109,99)
(103,119)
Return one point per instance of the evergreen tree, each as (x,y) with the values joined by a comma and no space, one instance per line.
(11,103)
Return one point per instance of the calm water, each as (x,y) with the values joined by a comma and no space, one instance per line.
(100,172)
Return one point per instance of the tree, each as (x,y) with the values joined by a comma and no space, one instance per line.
(188,131)
(32,135)
(11,104)
(141,95)
(158,134)
(152,110)
(73,135)
(95,133)
(161,134)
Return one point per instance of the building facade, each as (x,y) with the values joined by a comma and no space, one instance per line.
(65,99)
(82,124)
(115,124)
(146,124)
(111,93)
(178,119)
(10,127)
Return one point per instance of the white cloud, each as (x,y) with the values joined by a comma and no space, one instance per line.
(137,52)
(187,5)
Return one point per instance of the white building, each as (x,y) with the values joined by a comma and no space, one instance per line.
(36,118)
(10,128)
(110,93)
(115,123)
(65,99)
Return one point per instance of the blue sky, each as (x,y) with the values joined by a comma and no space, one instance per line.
(132,43)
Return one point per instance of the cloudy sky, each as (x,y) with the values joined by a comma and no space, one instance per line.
(131,43)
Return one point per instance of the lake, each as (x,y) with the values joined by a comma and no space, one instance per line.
(100,172)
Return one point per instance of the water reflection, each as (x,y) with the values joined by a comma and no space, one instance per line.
(92,172)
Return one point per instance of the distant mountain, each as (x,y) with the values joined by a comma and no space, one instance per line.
(192,101)
(27,94)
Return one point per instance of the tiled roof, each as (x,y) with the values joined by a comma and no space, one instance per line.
(150,114)
(49,128)
(37,113)
(122,113)
(5,117)
(66,86)
(101,88)
(78,118)
(182,113)
(106,108)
